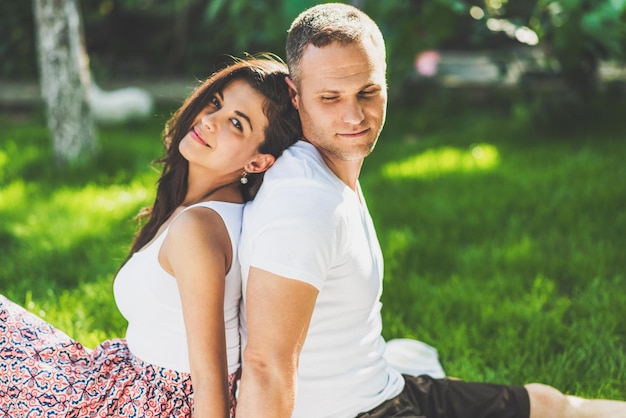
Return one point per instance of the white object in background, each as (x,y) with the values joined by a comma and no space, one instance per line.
(121,105)
(412,357)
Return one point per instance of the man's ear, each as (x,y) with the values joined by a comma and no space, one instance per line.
(260,163)
(293,92)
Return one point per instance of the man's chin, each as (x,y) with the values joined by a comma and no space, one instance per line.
(357,155)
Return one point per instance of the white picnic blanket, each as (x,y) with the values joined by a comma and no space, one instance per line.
(412,357)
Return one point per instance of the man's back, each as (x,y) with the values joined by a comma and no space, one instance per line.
(341,370)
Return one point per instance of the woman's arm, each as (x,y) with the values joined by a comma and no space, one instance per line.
(197,251)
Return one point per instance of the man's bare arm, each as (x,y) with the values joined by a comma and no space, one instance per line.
(278,313)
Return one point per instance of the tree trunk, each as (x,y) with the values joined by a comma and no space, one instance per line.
(65,78)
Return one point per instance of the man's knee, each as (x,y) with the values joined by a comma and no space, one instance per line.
(546,401)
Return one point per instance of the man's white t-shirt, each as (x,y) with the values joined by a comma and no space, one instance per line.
(306,224)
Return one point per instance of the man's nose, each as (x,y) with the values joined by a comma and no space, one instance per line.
(353,112)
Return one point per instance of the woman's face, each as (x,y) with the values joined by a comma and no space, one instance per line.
(227,133)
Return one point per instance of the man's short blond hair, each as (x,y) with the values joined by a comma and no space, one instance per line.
(324,24)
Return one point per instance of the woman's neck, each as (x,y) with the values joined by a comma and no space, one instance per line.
(196,193)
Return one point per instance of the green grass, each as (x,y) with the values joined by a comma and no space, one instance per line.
(504,246)
(65,232)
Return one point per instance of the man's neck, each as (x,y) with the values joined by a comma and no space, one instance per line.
(347,171)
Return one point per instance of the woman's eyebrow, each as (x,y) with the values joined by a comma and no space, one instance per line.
(238,113)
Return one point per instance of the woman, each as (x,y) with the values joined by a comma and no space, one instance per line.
(180,287)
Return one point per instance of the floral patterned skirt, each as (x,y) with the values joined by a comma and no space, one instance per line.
(44,373)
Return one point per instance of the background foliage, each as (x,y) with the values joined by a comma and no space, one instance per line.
(190,37)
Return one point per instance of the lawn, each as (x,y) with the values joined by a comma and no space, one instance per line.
(504,245)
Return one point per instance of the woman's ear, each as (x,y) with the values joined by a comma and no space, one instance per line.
(293,92)
(260,163)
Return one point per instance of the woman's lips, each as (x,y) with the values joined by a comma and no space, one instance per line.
(196,135)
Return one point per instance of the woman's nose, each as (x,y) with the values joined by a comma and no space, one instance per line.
(208,121)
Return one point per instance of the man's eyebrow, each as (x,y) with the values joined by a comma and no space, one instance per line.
(371,85)
(340,91)
(324,91)
(244,116)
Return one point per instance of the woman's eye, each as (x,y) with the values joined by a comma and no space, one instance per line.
(237,124)
(215,102)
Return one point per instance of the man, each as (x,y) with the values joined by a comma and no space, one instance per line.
(313,267)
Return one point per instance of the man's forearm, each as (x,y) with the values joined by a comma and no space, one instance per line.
(278,314)
(264,393)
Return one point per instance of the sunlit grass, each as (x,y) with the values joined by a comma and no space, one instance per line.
(504,247)
(66,231)
(439,161)
(70,215)
(514,271)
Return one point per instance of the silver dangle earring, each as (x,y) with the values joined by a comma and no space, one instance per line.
(244,178)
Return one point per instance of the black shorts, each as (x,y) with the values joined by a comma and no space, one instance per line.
(425,397)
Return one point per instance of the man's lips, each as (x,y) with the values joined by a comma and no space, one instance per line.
(354,134)
(196,135)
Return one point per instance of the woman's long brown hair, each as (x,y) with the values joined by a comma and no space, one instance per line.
(267,76)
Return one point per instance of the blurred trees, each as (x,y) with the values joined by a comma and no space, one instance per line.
(64,78)
(190,37)
(575,35)
(18,57)
(578,35)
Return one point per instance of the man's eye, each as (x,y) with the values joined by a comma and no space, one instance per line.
(329,98)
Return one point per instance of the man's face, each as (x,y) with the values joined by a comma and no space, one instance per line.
(342,99)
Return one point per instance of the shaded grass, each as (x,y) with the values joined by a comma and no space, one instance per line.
(504,247)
